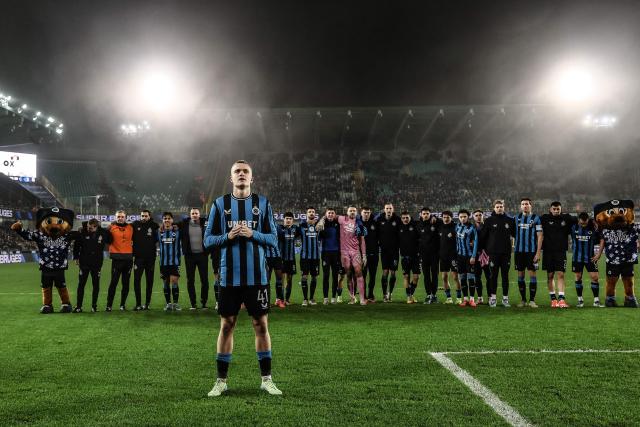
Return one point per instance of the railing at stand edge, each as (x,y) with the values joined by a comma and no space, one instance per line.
(44,181)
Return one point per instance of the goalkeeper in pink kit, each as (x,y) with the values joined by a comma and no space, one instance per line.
(352,248)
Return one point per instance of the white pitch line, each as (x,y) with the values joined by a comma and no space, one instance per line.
(586,350)
(501,408)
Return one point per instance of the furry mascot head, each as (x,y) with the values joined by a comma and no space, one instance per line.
(615,220)
(53,237)
(55,222)
(614,214)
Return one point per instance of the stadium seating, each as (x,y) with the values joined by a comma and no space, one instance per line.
(71,178)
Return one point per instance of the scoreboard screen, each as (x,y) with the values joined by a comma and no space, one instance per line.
(18,166)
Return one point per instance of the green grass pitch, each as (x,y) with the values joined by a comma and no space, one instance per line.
(337,365)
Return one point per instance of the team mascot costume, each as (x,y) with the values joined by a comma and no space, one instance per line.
(53,238)
(615,220)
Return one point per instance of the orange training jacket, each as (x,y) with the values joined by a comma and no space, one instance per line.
(121,241)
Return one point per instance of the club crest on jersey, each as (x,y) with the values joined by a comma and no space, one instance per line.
(613,202)
(255,210)
(433,228)
(563,223)
(410,228)
(506,225)
(373,227)
(312,228)
(393,223)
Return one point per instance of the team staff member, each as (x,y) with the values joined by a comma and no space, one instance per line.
(241,224)
(429,244)
(372,244)
(88,249)
(495,238)
(145,238)
(556,229)
(195,255)
(121,254)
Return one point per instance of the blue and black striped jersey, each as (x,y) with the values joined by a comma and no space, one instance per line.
(584,240)
(310,245)
(242,260)
(170,247)
(527,229)
(467,240)
(286,242)
(273,252)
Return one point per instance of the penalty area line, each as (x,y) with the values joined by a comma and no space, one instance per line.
(508,413)
(543,351)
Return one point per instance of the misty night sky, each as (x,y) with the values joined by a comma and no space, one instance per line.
(66,56)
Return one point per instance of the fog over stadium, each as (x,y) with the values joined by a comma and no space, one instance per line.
(319,213)
(196,80)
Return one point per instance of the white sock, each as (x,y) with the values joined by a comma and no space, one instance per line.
(266,378)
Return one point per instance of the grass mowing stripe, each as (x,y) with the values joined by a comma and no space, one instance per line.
(501,408)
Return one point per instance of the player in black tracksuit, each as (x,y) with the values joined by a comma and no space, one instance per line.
(495,238)
(388,224)
(429,244)
(448,255)
(195,256)
(478,218)
(373,251)
(556,229)
(88,252)
(145,239)
(408,239)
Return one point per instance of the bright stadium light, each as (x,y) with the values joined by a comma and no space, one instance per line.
(574,84)
(59,131)
(598,122)
(158,89)
(51,119)
(25,106)
(38,114)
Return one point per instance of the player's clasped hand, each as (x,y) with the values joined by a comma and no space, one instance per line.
(246,232)
(235,231)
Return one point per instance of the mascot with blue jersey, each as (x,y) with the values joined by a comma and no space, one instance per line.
(53,237)
(615,220)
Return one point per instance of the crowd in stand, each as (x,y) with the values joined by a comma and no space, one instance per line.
(335,179)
